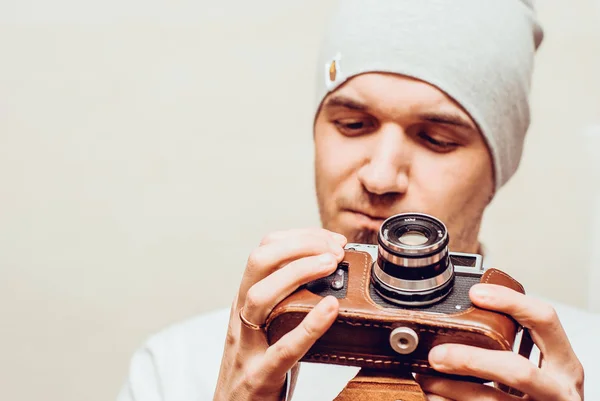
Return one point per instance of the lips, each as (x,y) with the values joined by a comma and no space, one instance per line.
(366,220)
(372,215)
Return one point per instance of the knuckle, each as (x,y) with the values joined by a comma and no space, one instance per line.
(317,242)
(254,299)
(230,339)
(525,375)
(239,362)
(309,328)
(269,238)
(257,383)
(251,381)
(571,394)
(282,352)
(547,315)
(255,259)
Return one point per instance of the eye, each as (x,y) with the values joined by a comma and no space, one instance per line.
(355,126)
(437,145)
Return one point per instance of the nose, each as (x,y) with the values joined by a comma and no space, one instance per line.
(387,164)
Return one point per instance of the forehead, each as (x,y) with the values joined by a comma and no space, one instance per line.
(394,94)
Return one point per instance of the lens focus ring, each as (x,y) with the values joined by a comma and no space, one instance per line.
(413,264)
(395,227)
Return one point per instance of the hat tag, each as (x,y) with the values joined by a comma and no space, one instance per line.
(333,72)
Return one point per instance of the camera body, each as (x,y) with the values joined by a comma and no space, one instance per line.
(390,316)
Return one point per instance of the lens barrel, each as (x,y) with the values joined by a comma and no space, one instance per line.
(413,265)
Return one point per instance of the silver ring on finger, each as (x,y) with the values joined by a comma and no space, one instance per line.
(249,324)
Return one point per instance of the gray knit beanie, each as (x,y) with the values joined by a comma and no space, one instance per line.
(479,52)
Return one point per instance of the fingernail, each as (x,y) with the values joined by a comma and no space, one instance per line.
(480,292)
(326,259)
(329,304)
(437,356)
(338,251)
(433,397)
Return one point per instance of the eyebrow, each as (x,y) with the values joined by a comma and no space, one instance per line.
(437,117)
(447,118)
(342,101)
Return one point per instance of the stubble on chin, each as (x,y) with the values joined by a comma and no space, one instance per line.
(358,235)
(330,213)
(331,220)
(364,236)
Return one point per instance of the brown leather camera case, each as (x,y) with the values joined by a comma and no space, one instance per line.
(360,335)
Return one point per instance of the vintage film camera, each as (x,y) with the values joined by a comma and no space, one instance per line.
(400,298)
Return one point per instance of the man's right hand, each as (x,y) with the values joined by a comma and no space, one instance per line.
(250,368)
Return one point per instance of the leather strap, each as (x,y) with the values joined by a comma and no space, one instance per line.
(369,385)
(526,344)
(525,348)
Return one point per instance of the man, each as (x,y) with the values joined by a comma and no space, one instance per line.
(422,107)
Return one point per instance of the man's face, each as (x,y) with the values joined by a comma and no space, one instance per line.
(388,144)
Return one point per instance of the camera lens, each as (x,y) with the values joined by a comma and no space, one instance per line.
(413,266)
(413,238)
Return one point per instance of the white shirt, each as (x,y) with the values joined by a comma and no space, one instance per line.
(182,362)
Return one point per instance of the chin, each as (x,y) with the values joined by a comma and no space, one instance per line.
(359,227)
(355,232)
(365,236)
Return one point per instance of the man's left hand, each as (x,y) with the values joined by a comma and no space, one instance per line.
(560,377)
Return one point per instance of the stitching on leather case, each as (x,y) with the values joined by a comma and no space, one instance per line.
(380,326)
(364,290)
(364,277)
(359,359)
(512,280)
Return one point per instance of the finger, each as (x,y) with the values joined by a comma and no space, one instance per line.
(433,397)
(290,348)
(546,330)
(264,295)
(504,367)
(267,258)
(279,235)
(462,391)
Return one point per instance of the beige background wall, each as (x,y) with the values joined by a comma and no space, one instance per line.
(146,146)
